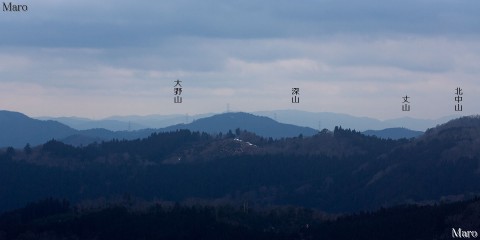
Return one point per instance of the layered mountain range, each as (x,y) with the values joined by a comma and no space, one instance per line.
(18,129)
(335,171)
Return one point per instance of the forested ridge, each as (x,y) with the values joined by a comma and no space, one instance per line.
(336,172)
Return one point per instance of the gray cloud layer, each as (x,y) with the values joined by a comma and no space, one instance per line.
(94,24)
(96,59)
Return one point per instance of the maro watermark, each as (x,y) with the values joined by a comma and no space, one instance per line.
(10,7)
(458,233)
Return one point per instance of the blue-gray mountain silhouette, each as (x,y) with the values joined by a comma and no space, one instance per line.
(262,126)
(18,129)
(393,133)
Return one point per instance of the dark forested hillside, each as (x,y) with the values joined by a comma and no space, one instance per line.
(339,171)
(126,219)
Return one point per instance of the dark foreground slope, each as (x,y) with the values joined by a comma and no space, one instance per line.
(340,171)
(53,219)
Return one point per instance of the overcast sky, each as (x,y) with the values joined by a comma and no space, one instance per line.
(101,58)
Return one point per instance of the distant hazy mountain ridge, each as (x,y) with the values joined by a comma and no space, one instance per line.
(315,120)
(17,130)
(393,133)
(261,126)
